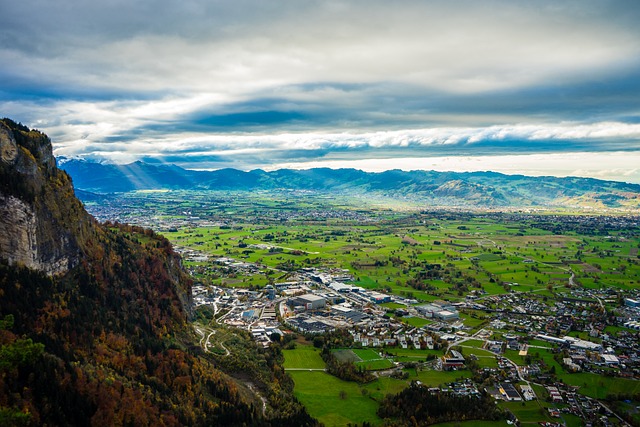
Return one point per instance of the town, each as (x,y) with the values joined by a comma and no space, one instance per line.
(533,308)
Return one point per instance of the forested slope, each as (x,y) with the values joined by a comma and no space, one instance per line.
(94,328)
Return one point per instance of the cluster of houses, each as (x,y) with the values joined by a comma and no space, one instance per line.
(376,337)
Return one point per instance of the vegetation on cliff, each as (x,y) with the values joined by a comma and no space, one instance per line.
(107,341)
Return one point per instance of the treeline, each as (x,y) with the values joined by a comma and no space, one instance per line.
(348,371)
(417,406)
(345,370)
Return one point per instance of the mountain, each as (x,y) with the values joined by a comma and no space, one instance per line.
(44,230)
(466,189)
(94,318)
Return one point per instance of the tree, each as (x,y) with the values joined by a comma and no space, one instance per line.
(318,341)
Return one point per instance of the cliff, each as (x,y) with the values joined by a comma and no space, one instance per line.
(94,317)
(42,225)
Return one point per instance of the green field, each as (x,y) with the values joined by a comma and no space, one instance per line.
(486,252)
(528,412)
(415,321)
(366,355)
(599,386)
(438,378)
(332,401)
(307,357)
(366,358)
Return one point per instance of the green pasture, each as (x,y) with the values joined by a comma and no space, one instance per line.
(515,357)
(392,305)
(437,378)
(383,386)
(332,401)
(474,343)
(528,412)
(412,352)
(307,357)
(414,321)
(346,355)
(599,386)
(366,251)
(375,365)
(572,420)
(366,248)
(366,358)
(487,361)
(474,323)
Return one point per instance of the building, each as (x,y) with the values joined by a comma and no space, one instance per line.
(578,344)
(333,298)
(509,392)
(447,315)
(309,301)
(629,302)
(341,287)
(527,392)
(271,292)
(554,394)
(570,365)
(440,310)
(632,325)
(610,359)
(551,339)
(378,298)
(455,360)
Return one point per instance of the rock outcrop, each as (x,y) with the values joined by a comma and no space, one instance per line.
(94,317)
(42,225)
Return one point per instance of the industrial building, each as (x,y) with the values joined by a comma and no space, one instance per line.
(439,310)
(629,302)
(378,298)
(309,301)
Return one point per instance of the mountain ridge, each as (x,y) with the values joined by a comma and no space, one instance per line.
(470,189)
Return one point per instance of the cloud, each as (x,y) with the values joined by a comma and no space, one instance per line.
(245,46)
(251,83)
(266,149)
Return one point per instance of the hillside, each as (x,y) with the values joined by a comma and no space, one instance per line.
(94,318)
(469,189)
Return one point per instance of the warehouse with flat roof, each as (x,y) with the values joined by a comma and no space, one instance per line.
(309,301)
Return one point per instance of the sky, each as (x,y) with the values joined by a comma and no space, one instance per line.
(515,86)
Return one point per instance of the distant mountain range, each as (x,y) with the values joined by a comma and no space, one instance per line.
(464,189)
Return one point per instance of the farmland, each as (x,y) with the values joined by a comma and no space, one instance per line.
(514,279)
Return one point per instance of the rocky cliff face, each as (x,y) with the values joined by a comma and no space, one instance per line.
(102,338)
(42,224)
